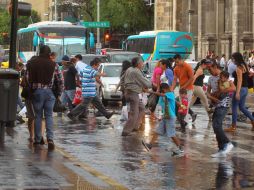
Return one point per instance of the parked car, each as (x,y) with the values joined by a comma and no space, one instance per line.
(87,58)
(110,82)
(5,62)
(120,56)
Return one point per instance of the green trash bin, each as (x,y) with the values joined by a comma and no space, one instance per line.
(9,88)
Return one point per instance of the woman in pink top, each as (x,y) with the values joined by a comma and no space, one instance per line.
(156,81)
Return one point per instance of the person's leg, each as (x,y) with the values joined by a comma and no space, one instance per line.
(133,99)
(20,103)
(70,95)
(38,102)
(218,117)
(152,109)
(141,115)
(30,125)
(194,97)
(242,106)
(64,98)
(203,98)
(81,108)
(99,106)
(48,113)
(182,122)
(235,104)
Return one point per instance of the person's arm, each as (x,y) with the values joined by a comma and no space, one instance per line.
(174,80)
(239,74)
(209,95)
(157,93)
(198,73)
(191,77)
(144,82)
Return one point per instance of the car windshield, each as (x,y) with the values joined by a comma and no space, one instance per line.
(112,70)
(88,59)
(119,58)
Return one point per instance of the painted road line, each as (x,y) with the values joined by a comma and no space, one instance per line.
(91,170)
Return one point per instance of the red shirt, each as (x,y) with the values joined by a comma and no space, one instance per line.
(183,108)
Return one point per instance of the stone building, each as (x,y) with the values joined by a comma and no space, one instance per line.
(222,26)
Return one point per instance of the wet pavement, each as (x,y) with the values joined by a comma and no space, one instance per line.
(93,155)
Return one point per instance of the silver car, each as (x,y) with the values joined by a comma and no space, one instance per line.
(107,92)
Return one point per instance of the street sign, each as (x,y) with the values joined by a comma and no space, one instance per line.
(104,24)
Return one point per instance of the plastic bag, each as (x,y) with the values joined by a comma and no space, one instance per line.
(23,112)
(124,113)
(78,97)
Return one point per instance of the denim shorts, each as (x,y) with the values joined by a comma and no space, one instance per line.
(166,127)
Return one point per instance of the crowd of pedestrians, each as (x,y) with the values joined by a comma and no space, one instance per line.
(43,83)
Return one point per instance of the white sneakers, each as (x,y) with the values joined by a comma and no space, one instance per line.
(223,153)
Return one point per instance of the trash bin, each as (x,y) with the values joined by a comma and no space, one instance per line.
(9,88)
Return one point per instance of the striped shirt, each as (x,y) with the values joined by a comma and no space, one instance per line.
(88,81)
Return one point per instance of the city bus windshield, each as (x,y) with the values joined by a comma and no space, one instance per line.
(64,41)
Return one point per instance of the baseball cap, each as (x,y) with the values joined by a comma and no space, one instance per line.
(65,58)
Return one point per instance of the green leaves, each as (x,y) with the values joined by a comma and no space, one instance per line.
(23,21)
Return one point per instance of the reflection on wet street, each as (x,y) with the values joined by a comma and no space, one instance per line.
(98,143)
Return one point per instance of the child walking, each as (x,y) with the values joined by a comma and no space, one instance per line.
(167,122)
(182,108)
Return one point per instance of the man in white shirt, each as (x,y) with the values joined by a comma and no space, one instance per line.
(222,61)
(80,65)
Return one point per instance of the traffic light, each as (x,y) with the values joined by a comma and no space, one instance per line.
(107,37)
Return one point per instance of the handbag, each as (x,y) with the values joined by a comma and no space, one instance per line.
(58,106)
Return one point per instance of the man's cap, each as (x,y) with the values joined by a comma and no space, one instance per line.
(65,58)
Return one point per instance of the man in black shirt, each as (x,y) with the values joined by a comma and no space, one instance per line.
(71,79)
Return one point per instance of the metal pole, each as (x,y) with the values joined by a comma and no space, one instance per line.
(56,10)
(98,20)
(189,18)
(13,37)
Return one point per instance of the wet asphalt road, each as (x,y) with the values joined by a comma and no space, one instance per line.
(98,143)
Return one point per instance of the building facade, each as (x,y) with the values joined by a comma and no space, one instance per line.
(4,3)
(222,26)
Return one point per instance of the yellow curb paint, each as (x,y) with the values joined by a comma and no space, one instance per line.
(91,170)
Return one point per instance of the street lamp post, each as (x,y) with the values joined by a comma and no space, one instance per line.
(98,44)
(13,36)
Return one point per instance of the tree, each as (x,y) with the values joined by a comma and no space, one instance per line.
(5,20)
(24,21)
(130,16)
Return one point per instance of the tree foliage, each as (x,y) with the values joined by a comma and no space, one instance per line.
(129,16)
(5,22)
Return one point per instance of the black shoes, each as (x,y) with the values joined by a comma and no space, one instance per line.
(51,145)
(42,142)
(147,145)
(110,115)
(194,117)
(71,117)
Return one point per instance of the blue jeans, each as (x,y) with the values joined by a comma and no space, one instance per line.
(218,117)
(241,104)
(67,97)
(43,102)
(20,103)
